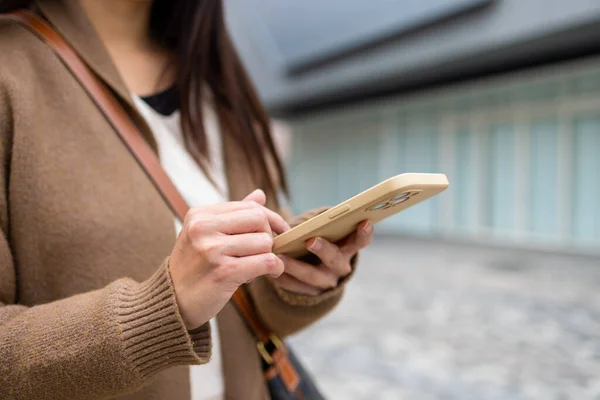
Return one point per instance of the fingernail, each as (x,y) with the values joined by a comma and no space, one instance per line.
(368,228)
(282,258)
(316,245)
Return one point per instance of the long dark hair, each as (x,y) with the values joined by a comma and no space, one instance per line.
(195,32)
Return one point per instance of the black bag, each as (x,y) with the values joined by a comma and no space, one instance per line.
(307,388)
(285,376)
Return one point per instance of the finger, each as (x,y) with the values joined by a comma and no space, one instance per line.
(330,255)
(248,217)
(292,284)
(247,244)
(257,196)
(359,239)
(278,224)
(244,269)
(243,221)
(276,221)
(315,276)
(222,208)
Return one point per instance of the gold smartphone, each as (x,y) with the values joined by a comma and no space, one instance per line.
(377,203)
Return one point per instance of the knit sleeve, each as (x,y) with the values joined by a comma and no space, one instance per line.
(98,344)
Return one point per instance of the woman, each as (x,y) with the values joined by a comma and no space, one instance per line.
(99,295)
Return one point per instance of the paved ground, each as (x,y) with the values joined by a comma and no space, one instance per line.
(424,320)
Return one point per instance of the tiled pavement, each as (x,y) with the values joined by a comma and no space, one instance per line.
(424,320)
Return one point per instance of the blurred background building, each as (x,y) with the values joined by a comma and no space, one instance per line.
(503,96)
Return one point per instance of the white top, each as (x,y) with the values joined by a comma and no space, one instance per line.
(206,380)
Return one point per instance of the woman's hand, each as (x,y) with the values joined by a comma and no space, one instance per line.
(219,248)
(308,279)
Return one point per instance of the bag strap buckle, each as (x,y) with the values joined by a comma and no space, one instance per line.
(262,348)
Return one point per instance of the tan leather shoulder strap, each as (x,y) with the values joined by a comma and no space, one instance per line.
(131,137)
